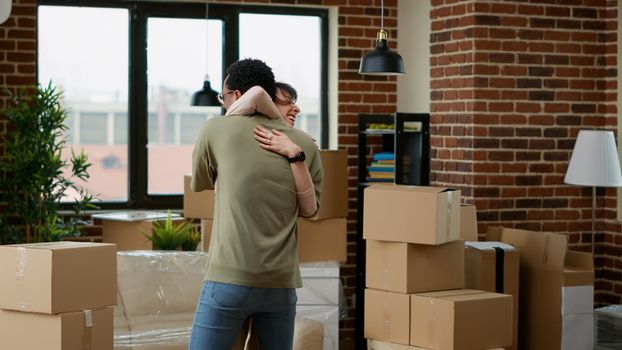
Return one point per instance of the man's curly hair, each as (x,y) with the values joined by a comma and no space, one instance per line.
(246,73)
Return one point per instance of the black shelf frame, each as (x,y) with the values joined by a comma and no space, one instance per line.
(405,143)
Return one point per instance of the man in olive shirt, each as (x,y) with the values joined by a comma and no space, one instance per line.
(253,263)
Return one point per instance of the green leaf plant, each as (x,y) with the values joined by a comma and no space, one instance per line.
(33,180)
(172,235)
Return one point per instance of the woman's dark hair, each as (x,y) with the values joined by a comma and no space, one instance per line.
(288,89)
(246,73)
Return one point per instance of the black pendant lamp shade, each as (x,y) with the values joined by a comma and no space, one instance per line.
(382,61)
(206,96)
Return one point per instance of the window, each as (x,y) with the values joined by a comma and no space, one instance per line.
(136,125)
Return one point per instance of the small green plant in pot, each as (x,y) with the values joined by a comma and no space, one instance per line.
(169,235)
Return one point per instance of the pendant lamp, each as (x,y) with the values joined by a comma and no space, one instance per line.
(382,61)
(206,96)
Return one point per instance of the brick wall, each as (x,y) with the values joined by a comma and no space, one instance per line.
(358,23)
(17,56)
(512,84)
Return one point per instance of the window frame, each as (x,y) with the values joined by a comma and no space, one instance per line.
(139,12)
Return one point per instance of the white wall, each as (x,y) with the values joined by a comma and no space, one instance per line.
(413,30)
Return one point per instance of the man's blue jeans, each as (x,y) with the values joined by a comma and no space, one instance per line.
(223,308)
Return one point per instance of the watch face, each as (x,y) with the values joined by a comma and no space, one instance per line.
(301,156)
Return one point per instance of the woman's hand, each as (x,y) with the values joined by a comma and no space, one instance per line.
(276,142)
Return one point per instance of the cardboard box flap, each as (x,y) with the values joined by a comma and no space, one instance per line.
(580,260)
(494,233)
(539,250)
(488,245)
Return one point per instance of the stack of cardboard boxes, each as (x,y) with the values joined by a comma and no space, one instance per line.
(57,296)
(415,275)
(322,238)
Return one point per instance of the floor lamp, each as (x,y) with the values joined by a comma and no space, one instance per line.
(594,162)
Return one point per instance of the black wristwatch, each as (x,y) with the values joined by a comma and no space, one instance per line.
(300,157)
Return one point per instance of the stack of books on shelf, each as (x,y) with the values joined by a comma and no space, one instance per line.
(382,169)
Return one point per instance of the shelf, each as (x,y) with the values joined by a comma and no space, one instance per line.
(378,132)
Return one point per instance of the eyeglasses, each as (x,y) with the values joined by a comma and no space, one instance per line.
(286,101)
(221,96)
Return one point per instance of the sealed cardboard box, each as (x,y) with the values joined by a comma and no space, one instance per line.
(387,316)
(412,214)
(409,268)
(556,291)
(198,205)
(494,267)
(58,277)
(464,319)
(468,223)
(127,229)
(79,330)
(318,240)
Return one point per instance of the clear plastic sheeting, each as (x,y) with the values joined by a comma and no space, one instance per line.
(158,292)
(608,328)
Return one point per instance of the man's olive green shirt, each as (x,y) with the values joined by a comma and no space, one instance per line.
(254,237)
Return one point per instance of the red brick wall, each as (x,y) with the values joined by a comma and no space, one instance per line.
(17,56)
(512,84)
(358,20)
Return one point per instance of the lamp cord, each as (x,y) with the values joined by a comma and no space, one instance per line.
(382,14)
(207,40)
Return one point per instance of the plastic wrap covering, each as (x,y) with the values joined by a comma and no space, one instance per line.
(608,323)
(158,292)
(322,298)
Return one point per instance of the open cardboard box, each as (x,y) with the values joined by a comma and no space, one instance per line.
(556,290)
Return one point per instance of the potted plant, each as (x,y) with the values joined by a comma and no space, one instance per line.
(33,181)
(172,235)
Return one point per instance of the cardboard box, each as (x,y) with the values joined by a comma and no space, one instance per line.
(318,240)
(412,214)
(198,205)
(556,291)
(464,319)
(126,229)
(381,345)
(53,278)
(410,268)
(322,240)
(494,267)
(334,200)
(77,330)
(387,316)
(468,223)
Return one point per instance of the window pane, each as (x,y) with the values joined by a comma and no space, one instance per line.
(84,52)
(176,70)
(294,55)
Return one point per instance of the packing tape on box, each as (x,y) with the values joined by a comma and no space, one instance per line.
(449,216)
(499,269)
(20,273)
(386,320)
(385,269)
(88,326)
(432,321)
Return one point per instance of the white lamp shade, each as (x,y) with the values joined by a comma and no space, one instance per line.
(594,160)
(5,10)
